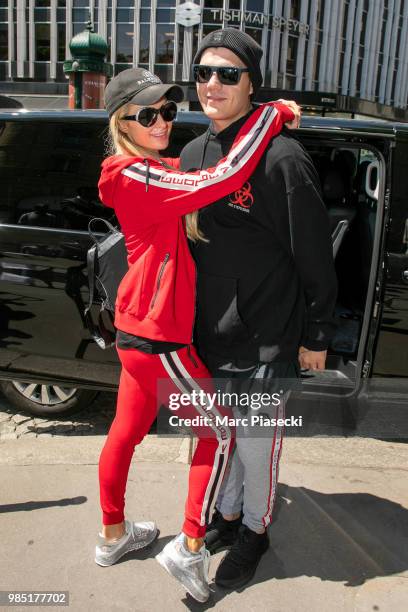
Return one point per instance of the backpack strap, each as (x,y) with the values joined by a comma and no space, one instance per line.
(100,333)
(110,227)
(91,267)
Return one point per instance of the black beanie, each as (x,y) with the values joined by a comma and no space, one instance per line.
(239,43)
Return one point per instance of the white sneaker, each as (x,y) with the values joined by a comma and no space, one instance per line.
(191,569)
(138,535)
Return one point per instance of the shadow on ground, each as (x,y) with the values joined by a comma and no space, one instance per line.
(343,537)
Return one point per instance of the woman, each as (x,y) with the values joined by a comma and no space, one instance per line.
(155,307)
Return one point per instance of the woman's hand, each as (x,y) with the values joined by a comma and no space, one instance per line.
(312,360)
(295,123)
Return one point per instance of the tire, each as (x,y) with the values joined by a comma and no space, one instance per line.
(46,400)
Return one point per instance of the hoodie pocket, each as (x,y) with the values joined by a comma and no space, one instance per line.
(158,281)
(218,314)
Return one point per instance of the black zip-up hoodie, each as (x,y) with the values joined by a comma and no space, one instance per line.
(264,286)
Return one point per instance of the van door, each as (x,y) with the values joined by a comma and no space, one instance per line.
(49,171)
(355,172)
(391,354)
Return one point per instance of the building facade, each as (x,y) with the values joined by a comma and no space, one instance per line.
(352,48)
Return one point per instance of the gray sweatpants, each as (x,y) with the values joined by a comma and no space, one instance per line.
(255,464)
(251,478)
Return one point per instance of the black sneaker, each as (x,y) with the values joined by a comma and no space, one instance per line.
(239,565)
(221,534)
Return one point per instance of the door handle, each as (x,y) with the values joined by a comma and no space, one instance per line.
(405,275)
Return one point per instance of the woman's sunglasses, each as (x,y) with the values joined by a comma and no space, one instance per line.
(148,115)
(227,75)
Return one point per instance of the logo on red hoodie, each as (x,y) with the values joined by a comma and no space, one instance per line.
(242,199)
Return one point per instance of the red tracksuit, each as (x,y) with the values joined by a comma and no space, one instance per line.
(156,300)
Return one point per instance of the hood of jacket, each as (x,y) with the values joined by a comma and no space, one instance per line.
(111,168)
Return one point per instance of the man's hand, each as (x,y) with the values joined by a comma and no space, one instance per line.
(297,111)
(312,360)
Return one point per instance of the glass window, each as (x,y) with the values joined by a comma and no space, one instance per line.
(124,15)
(144,43)
(4,3)
(58,173)
(80,15)
(214,3)
(255,5)
(295,9)
(124,43)
(255,33)
(144,16)
(169,3)
(42,3)
(127,3)
(165,16)
(209,28)
(3,15)
(41,15)
(179,59)
(77,28)
(108,40)
(3,42)
(292,52)
(195,44)
(164,44)
(61,42)
(79,3)
(61,15)
(42,42)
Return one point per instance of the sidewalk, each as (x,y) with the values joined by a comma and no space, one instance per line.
(339,540)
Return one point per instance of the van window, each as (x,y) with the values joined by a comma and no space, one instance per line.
(49,171)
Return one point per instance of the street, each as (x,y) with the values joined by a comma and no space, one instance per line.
(339,535)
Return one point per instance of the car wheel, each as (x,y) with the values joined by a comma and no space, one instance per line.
(47,400)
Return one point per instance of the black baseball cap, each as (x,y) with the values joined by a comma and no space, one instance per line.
(138,86)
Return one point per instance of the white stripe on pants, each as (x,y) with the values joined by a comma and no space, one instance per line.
(252,474)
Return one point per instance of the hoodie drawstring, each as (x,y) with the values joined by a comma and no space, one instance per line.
(146,161)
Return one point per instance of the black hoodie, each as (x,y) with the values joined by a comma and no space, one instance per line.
(264,286)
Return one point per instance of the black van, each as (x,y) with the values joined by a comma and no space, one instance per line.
(49,166)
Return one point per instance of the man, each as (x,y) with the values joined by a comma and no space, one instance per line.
(266,286)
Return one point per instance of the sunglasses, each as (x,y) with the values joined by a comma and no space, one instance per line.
(227,75)
(148,115)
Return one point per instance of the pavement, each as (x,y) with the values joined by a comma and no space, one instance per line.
(93,421)
(339,539)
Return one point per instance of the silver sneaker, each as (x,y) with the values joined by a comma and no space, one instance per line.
(191,569)
(138,535)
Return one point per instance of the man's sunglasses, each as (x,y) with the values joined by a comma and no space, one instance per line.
(227,75)
(148,115)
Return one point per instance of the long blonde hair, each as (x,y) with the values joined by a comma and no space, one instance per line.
(119,143)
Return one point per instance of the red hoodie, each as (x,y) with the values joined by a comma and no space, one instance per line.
(156,298)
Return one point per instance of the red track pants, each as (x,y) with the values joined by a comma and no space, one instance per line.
(136,410)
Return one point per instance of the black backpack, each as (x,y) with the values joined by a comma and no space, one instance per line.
(107,265)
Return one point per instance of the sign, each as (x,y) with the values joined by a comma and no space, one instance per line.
(259,19)
(93,87)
